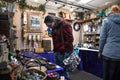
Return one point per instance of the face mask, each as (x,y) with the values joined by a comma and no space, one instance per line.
(50,24)
(53,23)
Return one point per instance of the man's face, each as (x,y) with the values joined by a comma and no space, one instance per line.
(50,24)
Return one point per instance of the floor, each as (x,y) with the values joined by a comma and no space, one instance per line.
(82,75)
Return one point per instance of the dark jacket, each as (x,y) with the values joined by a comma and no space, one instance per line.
(62,37)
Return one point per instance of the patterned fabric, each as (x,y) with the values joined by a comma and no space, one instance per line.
(62,42)
(72,61)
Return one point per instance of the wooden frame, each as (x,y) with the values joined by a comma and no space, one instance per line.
(54,14)
(34,21)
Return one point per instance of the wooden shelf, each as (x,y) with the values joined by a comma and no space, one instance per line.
(69,20)
(88,41)
(91,38)
(93,35)
(80,21)
(4,24)
(89,34)
(87,20)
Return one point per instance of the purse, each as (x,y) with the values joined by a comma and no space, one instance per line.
(72,62)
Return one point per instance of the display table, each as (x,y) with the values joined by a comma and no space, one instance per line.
(47,55)
(90,62)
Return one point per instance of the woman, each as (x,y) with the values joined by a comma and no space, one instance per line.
(110,44)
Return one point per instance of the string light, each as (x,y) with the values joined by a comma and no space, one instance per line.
(63,5)
(55,2)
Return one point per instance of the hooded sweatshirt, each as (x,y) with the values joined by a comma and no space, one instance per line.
(110,37)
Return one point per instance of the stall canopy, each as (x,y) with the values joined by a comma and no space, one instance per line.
(76,5)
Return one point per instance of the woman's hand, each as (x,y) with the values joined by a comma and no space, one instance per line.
(99,54)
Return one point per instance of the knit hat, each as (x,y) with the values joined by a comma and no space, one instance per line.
(49,18)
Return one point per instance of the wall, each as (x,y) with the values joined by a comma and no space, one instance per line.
(17,22)
(77,36)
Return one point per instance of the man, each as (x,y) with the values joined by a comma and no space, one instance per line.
(62,39)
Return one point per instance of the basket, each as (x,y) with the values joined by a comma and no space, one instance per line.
(50,66)
(33,71)
(53,76)
(43,61)
(32,63)
(33,74)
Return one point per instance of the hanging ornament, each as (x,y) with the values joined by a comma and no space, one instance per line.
(25,18)
(38,37)
(30,37)
(41,36)
(34,37)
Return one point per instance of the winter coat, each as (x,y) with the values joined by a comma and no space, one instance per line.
(62,37)
(110,37)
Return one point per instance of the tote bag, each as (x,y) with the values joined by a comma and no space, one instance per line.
(72,62)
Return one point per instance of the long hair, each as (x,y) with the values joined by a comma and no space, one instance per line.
(115,9)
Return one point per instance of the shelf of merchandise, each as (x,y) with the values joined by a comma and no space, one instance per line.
(91,39)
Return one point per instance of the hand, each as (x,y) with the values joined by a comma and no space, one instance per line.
(99,54)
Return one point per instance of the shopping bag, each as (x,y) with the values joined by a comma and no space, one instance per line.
(72,62)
